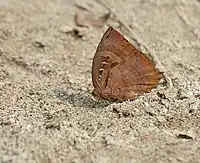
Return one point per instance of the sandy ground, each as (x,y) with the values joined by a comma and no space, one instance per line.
(47,112)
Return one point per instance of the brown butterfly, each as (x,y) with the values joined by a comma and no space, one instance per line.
(120,71)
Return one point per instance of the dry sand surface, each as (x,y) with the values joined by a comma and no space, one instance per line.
(47,112)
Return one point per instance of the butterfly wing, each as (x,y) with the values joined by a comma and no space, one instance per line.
(122,72)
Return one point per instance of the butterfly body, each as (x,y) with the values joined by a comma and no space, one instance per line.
(120,71)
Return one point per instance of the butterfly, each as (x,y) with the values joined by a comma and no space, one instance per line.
(120,71)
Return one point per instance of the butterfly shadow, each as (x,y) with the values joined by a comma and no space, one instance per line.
(81,99)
